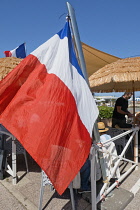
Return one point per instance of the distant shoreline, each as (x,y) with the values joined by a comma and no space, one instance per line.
(136,106)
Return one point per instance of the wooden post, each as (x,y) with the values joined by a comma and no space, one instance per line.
(136,149)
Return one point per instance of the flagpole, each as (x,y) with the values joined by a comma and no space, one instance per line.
(83,68)
(77,40)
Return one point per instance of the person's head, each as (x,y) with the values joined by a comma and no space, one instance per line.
(101,127)
(137,118)
(127,95)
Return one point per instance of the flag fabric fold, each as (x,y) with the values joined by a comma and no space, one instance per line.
(19,52)
(46,104)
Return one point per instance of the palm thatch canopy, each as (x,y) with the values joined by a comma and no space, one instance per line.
(122,75)
(8,64)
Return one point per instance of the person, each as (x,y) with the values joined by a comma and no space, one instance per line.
(102,131)
(137,118)
(86,168)
(109,160)
(85,177)
(120,110)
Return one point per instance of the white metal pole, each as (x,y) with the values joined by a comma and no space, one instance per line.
(72,196)
(93,177)
(116,183)
(14,165)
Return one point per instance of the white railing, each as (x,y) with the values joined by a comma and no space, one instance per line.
(101,147)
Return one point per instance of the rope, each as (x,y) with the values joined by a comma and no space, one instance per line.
(118,184)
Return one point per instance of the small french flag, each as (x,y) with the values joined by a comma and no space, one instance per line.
(19,52)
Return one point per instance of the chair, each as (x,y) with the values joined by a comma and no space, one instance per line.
(2,157)
(19,150)
(7,138)
(120,142)
(45,181)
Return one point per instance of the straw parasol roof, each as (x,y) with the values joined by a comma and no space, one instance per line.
(122,75)
(7,64)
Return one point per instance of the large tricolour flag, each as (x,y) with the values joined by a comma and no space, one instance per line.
(46,104)
(18,52)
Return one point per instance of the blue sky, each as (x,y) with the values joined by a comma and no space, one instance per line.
(111,26)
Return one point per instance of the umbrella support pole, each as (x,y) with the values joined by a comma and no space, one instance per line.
(136,136)
(133,100)
(136,149)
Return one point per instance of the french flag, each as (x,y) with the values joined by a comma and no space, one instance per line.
(19,52)
(46,104)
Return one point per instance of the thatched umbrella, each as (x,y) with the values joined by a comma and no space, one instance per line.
(7,64)
(122,75)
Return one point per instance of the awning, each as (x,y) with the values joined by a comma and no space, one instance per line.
(96,59)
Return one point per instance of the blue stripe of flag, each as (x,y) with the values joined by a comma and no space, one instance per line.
(65,32)
(20,51)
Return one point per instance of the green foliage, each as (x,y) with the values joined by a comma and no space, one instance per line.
(105,112)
